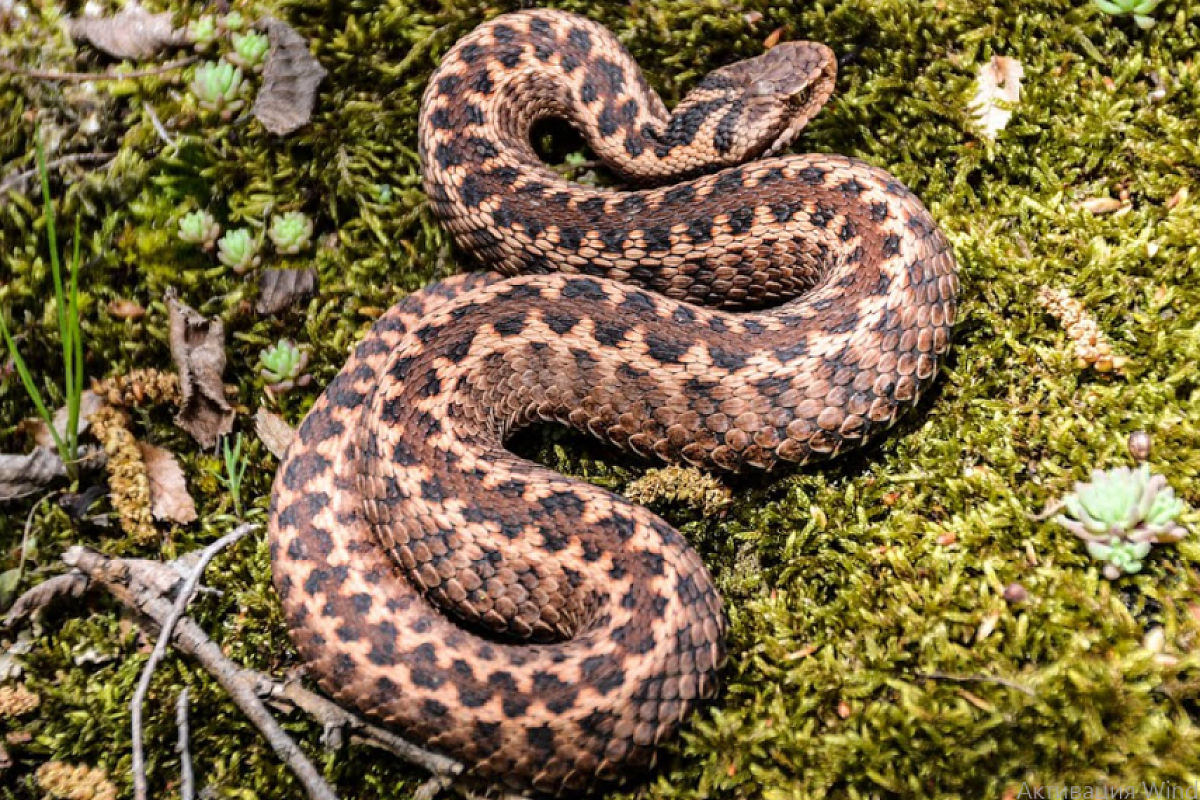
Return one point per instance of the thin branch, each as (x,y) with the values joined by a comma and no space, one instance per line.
(56,75)
(942,676)
(18,178)
(145,587)
(158,126)
(187,778)
(331,715)
(140,789)
(73,584)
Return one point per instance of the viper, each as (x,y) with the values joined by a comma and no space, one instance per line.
(742,310)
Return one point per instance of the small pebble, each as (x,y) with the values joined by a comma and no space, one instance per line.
(1016,593)
(1139,446)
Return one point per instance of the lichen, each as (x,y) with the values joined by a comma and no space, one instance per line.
(848,584)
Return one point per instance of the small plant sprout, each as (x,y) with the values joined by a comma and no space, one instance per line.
(1120,513)
(238,250)
(218,87)
(199,227)
(203,33)
(282,366)
(1140,9)
(235,470)
(66,305)
(233,21)
(249,50)
(290,232)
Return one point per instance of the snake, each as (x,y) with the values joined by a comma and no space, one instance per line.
(739,309)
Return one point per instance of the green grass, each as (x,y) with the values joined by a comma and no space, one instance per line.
(873,654)
(66,306)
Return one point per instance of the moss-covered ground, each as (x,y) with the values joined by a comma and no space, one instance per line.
(858,590)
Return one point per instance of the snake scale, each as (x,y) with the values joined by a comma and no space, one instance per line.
(541,630)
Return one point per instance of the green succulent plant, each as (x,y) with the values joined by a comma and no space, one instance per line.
(1140,9)
(290,232)
(199,227)
(1120,513)
(203,32)
(238,250)
(249,50)
(218,87)
(282,366)
(233,21)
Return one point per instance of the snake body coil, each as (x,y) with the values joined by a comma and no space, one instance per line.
(543,631)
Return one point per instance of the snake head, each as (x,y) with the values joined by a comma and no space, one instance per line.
(757,107)
(783,89)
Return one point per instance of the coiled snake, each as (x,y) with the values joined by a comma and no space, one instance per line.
(543,631)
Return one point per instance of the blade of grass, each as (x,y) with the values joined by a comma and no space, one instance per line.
(34,394)
(74,368)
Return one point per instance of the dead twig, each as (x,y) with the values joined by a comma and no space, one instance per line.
(158,126)
(16,179)
(334,717)
(112,75)
(145,587)
(140,789)
(73,584)
(187,778)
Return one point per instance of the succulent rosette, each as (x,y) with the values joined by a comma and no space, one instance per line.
(1120,513)
(282,366)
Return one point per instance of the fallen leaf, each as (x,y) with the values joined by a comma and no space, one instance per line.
(274,432)
(89,403)
(987,626)
(281,288)
(126,309)
(997,91)
(131,33)
(22,475)
(169,498)
(290,79)
(1100,205)
(198,347)
(773,38)
(976,700)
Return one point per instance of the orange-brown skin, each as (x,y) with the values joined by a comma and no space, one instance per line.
(546,632)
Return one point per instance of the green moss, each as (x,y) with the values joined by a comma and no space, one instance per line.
(849,584)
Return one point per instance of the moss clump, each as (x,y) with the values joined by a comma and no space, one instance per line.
(849,585)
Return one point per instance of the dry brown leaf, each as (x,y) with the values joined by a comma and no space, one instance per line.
(169,498)
(22,475)
(773,38)
(274,432)
(997,90)
(1100,205)
(131,33)
(89,403)
(290,80)
(198,347)
(281,288)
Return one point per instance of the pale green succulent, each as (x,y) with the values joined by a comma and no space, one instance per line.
(282,366)
(290,232)
(1140,9)
(249,50)
(218,86)
(1120,513)
(203,32)
(233,21)
(200,228)
(238,250)
(1121,558)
